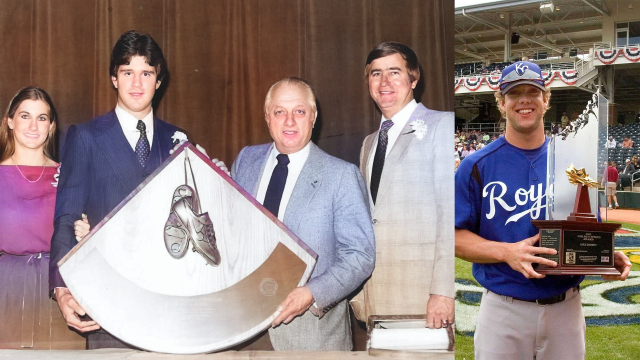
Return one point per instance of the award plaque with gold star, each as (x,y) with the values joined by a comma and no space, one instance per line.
(584,246)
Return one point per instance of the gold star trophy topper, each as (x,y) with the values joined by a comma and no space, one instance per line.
(580,177)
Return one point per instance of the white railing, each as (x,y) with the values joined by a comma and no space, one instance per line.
(469,70)
(482,127)
(570,65)
(602,46)
(585,65)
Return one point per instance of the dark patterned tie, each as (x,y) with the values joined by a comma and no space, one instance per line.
(276,184)
(378,160)
(143,149)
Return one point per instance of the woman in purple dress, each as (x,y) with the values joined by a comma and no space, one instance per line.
(28,180)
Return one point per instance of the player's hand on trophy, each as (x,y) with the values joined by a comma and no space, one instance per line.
(296,303)
(440,311)
(622,263)
(176,146)
(81,227)
(522,254)
(182,141)
(72,311)
(219,163)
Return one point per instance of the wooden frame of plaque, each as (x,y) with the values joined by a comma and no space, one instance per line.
(584,248)
(124,277)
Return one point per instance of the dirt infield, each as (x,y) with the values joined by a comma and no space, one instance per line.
(621,215)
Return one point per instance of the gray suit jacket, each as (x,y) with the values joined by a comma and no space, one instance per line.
(328,211)
(413,219)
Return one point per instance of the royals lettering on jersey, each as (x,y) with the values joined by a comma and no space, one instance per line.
(499,190)
(521,197)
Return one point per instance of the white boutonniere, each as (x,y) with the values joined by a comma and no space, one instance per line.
(179,137)
(419,128)
(56,177)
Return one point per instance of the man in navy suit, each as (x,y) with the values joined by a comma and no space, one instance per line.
(321,199)
(107,158)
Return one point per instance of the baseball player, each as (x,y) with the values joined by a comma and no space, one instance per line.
(499,190)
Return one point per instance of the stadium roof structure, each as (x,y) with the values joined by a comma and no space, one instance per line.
(548,31)
(552,27)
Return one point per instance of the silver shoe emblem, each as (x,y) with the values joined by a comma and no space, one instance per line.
(187,225)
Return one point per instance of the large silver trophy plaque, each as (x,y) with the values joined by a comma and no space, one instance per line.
(188,263)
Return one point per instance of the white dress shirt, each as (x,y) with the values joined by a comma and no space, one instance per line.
(129,123)
(296,162)
(399,121)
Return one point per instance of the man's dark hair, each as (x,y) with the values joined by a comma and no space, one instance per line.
(133,43)
(390,48)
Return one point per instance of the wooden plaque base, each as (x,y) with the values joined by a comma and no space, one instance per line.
(584,247)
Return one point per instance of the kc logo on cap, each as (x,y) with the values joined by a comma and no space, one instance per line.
(521,68)
(521,72)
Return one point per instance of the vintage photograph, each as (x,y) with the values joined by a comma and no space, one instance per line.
(234,179)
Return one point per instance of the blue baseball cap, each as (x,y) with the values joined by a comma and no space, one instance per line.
(521,72)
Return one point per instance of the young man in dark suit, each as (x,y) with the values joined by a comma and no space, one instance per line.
(107,158)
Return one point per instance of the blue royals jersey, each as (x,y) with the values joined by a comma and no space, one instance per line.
(499,190)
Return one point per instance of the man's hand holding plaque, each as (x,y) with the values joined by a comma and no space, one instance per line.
(523,254)
(622,263)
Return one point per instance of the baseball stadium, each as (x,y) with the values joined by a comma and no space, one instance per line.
(583,47)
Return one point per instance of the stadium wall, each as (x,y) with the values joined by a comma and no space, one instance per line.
(626,199)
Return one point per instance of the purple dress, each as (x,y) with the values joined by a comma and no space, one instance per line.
(28,318)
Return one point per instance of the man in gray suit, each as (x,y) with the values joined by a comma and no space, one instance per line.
(408,166)
(322,200)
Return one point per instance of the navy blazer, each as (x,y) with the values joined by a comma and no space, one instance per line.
(98,170)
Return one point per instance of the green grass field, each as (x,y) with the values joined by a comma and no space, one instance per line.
(602,342)
(629,226)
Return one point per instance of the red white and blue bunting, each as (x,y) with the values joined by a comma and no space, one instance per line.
(608,57)
(493,81)
(473,83)
(568,77)
(458,83)
(633,54)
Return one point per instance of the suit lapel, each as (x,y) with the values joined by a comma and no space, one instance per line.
(116,149)
(248,179)
(165,143)
(308,183)
(398,152)
(366,154)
